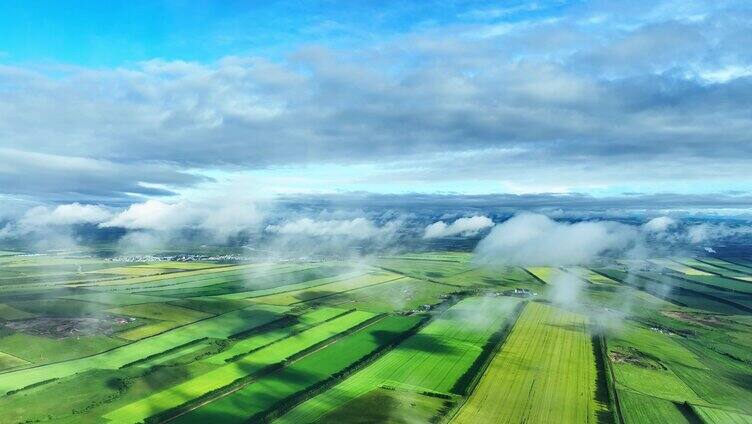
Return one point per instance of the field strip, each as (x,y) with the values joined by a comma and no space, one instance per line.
(718,282)
(116,299)
(548,275)
(712,415)
(532,274)
(257,401)
(348,290)
(245,283)
(194,276)
(173,354)
(343,286)
(745,265)
(641,409)
(302,355)
(167,352)
(304,322)
(678,267)
(727,265)
(693,396)
(434,359)
(408,258)
(589,275)
(704,267)
(545,372)
(290,287)
(679,295)
(8,312)
(718,294)
(230,276)
(8,361)
(417,277)
(220,326)
(154,278)
(244,367)
(723,276)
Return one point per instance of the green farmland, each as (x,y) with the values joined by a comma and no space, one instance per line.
(554,378)
(419,337)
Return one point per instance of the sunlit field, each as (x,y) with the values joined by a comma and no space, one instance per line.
(426,336)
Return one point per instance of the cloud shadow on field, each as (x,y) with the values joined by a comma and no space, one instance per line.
(241,405)
(422,342)
(314,294)
(743,380)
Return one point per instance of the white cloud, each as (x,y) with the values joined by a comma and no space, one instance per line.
(659,224)
(532,239)
(356,229)
(70,214)
(463,226)
(713,232)
(721,75)
(48,219)
(221,215)
(150,215)
(546,90)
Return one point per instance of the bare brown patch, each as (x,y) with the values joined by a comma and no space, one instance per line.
(62,328)
(695,318)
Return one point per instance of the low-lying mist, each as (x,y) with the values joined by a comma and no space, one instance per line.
(258,224)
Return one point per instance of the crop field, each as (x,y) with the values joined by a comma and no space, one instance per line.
(723,283)
(680,292)
(9,361)
(425,268)
(223,325)
(271,354)
(302,322)
(680,267)
(719,266)
(307,284)
(9,313)
(114,299)
(591,276)
(238,280)
(319,291)
(402,294)
(720,416)
(640,409)
(264,393)
(543,273)
(554,376)
(635,355)
(434,359)
(507,277)
(414,337)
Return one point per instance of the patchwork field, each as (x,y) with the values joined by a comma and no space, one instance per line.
(435,359)
(263,394)
(405,338)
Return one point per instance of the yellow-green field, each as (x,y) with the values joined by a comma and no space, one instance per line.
(545,372)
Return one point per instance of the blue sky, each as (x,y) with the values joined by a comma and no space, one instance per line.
(117,102)
(117,33)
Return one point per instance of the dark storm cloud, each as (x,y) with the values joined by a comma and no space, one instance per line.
(573,98)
